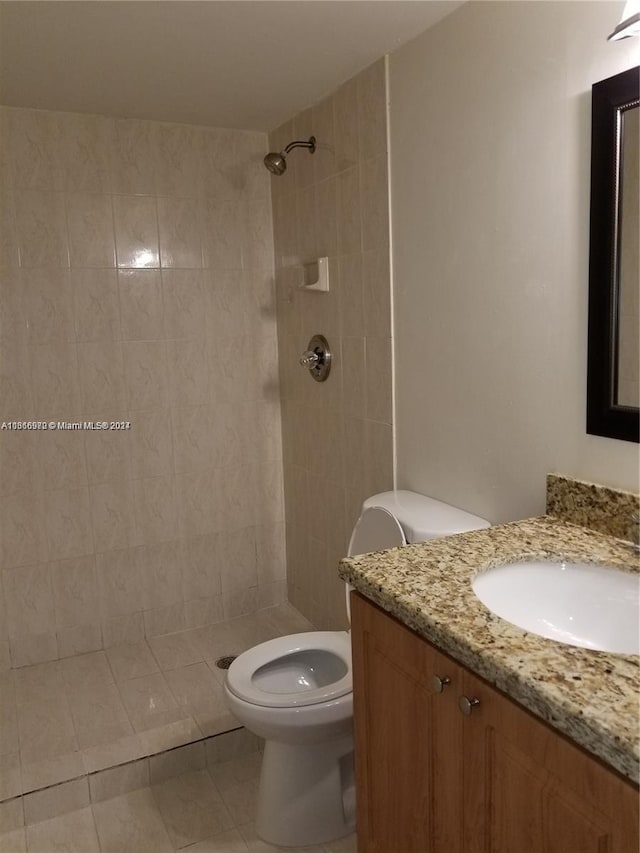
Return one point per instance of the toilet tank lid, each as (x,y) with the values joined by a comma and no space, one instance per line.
(425,518)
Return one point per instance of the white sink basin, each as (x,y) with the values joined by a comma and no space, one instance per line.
(596,607)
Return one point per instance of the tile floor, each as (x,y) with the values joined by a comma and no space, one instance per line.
(83,714)
(210,810)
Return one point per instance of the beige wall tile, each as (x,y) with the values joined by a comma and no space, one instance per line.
(164,620)
(378,379)
(141,310)
(29,599)
(17,401)
(353,450)
(200,567)
(75,591)
(195,430)
(179,225)
(221,237)
(32,149)
(160,573)
(324,159)
(152,444)
(353,376)
(303,165)
(256,227)
(84,152)
(136,225)
(13,325)
(346,125)
(108,454)
(177,159)
(373,198)
(123,344)
(127,628)
(61,459)
(95,303)
(68,523)
(306,224)
(372,111)
(112,514)
(18,452)
(119,585)
(90,227)
(271,559)
(132,161)
(188,372)
(156,512)
(40,229)
(203,611)
(21,523)
(240,603)
(348,215)
(236,556)
(54,381)
(326,208)
(47,308)
(196,496)
(9,254)
(184,304)
(145,374)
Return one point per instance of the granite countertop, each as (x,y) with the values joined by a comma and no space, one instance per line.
(592,697)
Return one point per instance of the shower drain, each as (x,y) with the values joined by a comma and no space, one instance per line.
(225,662)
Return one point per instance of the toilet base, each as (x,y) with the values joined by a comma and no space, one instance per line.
(307,793)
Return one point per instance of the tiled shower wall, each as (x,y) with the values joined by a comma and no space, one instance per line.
(136,286)
(337,436)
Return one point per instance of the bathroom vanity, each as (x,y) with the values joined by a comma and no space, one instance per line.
(473,735)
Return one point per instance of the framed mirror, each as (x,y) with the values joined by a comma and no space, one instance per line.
(613,374)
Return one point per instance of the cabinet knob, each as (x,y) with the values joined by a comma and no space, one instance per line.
(438,684)
(467,705)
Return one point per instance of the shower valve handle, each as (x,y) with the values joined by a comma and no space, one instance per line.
(309,358)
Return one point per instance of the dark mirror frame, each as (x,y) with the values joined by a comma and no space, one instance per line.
(604,416)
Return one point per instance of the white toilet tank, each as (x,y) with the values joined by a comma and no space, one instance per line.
(400,517)
(395,518)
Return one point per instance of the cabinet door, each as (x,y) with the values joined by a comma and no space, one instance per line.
(407,739)
(528,790)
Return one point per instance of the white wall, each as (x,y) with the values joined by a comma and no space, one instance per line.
(490,146)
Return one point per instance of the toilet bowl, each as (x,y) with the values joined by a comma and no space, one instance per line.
(297,692)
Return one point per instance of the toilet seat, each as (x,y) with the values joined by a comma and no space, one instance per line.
(285,673)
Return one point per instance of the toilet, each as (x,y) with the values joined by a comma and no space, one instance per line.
(296,692)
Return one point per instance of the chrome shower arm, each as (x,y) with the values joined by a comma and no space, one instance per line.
(299,143)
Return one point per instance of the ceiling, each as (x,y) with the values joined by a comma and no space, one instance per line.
(241,63)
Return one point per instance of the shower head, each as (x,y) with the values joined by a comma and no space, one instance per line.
(276,161)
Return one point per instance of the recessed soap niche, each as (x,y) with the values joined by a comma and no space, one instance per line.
(315,275)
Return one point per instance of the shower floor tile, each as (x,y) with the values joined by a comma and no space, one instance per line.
(67,718)
(202,811)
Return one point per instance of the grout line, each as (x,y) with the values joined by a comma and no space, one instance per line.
(93,773)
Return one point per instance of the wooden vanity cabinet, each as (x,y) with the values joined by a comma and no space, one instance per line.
(430,779)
